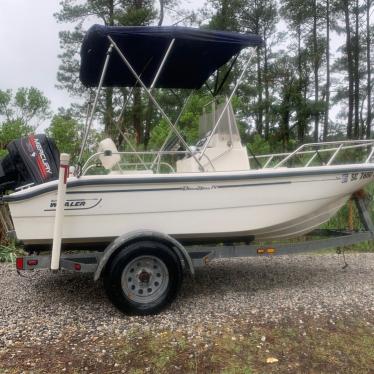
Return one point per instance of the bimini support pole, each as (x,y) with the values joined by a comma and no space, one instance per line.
(226,106)
(155,102)
(88,127)
(162,64)
(59,216)
(128,97)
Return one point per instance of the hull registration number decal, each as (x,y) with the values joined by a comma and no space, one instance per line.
(353,177)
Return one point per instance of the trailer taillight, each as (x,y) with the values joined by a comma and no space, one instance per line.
(19,263)
(263,251)
(77,267)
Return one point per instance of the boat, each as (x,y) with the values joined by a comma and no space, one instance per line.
(212,190)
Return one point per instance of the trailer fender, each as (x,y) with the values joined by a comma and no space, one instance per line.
(138,235)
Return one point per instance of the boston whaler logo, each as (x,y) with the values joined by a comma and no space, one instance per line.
(75,204)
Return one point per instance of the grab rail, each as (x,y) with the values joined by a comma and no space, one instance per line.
(302,150)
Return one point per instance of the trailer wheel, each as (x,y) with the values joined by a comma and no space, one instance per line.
(143,278)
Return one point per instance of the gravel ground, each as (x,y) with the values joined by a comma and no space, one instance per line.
(40,307)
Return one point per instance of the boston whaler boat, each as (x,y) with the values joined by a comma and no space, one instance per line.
(207,192)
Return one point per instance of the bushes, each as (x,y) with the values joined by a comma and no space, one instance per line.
(8,253)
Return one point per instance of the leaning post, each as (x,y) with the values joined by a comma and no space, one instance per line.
(59,216)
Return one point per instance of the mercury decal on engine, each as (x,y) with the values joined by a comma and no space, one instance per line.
(42,156)
(75,204)
(36,151)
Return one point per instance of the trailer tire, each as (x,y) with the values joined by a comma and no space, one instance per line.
(143,278)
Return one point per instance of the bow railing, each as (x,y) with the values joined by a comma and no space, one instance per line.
(318,154)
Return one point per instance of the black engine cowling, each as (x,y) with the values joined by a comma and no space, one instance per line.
(31,159)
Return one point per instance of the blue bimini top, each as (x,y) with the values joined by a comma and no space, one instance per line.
(196,54)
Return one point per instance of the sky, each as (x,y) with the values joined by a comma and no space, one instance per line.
(29,47)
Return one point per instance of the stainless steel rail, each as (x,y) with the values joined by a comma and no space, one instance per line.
(335,148)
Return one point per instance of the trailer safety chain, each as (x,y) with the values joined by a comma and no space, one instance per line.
(22,274)
(340,251)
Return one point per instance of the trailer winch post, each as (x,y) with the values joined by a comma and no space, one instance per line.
(60,204)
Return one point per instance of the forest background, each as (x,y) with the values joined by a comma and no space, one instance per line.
(311,81)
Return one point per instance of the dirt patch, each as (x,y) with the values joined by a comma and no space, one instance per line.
(295,346)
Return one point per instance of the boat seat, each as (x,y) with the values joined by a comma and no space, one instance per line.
(109,157)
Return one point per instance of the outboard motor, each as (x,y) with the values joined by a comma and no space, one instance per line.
(31,159)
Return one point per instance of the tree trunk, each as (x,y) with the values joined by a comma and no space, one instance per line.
(108,113)
(357,75)
(285,115)
(350,69)
(316,68)
(137,115)
(259,124)
(111,13)
(368,67)
(327,110)
(267,96)
(161,19)
(300,126)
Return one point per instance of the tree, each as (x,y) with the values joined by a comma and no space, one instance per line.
(261,17)
(316,66)
(368,69)
(21,113)
(27,105)
(328,80)
(298,16)
(345,5)
(356,74)
(66,132)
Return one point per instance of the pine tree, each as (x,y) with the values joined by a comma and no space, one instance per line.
(261,17)
(368,69)
(328,80)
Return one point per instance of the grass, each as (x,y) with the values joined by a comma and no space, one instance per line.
(348,219)
(236,347)
(9,252)
(308,347)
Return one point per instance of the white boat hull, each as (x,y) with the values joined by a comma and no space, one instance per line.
(266,204)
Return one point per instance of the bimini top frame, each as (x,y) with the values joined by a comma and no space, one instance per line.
(158,57)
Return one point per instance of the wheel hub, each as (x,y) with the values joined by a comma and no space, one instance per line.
(144,276)
(145,279)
